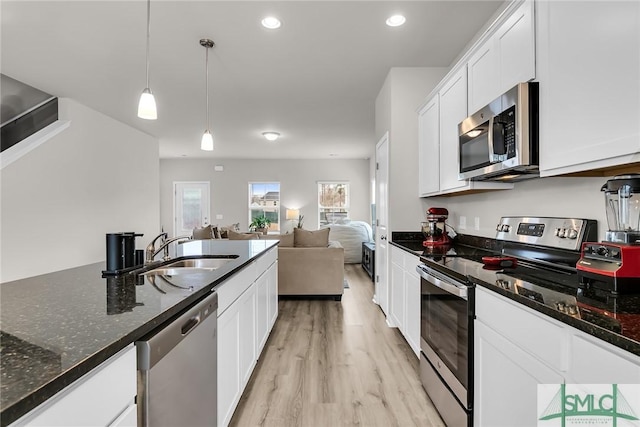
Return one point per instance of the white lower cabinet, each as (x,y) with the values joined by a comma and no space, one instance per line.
(103,397)
(244,325)
(517,348)
(405,296)
(507,379)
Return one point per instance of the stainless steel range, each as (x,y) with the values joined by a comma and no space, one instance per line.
(526,251)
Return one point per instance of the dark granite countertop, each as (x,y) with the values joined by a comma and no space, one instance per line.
(56,327)
(614,319)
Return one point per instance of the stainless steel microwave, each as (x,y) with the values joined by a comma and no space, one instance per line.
(500,141)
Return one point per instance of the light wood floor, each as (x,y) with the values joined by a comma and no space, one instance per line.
(330,363)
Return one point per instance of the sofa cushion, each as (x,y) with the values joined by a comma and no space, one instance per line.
(242,236)
(310,239)
(286,240)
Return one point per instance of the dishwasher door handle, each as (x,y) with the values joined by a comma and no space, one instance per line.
(190,325)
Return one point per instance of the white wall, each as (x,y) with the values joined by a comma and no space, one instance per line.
(298,186)
(404,89)
(558,196)
(58,201)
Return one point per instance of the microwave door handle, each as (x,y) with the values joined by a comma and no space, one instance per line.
(492,155)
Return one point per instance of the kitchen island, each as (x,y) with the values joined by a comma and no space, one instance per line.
(57,327)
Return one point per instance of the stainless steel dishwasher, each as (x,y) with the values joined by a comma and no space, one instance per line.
(177,370)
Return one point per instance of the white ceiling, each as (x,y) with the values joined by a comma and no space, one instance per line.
(314,80)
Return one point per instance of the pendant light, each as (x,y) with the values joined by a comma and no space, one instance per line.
(207,138)
(147,105)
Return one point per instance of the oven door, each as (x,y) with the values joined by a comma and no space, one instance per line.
(446,329)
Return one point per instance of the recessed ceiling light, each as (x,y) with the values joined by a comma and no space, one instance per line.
(271,22)
(396,20)
(271,136)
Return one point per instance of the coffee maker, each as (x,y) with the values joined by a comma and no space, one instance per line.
(434,233)
(614,264)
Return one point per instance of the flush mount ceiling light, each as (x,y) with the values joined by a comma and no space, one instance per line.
(396,20)
(207,138)
(147,104)
(271,22)
(271,136)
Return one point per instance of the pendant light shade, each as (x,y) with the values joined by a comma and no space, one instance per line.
(207,139)
(147,105)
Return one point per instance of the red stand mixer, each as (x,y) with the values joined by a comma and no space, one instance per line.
(614,264)
(434,234)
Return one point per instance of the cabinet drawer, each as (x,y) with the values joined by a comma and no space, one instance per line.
(97,399)
(538,334)
(229,290)
(263,263)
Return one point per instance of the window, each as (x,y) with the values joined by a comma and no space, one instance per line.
(333,202)
(264,198)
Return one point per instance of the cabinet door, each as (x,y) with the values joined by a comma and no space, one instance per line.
(429,147)
(262,310)
(588,68)
(273,294)
(515,43)
(412,318)
(484,76)
(506,381)
(247,334)
(228,363)
(453,109)
(396,312)
(612,365)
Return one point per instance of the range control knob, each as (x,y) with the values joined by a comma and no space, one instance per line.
(562,232)
(504,284)
(499,227)
(572,234)
(561,307)
(506,228)
(572,309)
(556,232)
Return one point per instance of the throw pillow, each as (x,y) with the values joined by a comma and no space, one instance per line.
(241,236)
(201,233)
(310,239)
(286,240)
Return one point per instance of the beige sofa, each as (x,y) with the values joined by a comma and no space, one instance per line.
(309,272)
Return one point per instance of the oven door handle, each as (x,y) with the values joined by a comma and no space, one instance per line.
(443,282)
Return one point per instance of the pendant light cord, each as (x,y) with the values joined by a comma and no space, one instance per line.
(207,84)
(148,35)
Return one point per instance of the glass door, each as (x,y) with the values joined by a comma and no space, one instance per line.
(191,206)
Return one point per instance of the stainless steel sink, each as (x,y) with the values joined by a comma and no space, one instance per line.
(191,266)
(204,263)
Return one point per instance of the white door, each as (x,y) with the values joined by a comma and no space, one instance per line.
(381,296)
(191,206)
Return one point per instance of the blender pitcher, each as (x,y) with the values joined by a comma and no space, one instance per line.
(622,199)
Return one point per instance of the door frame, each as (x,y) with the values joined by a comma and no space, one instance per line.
(382,209)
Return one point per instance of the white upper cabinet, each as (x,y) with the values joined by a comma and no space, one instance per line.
(589,74)
(453,110)
(483,76)
(438,121)
(515,43)
(429,147)
(505,59)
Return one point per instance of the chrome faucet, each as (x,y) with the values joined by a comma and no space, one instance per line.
(152,251)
